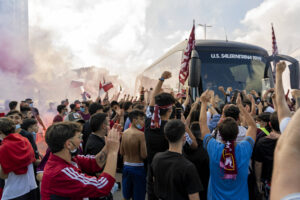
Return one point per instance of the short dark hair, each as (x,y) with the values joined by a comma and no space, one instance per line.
(228,129)
(27,123)
(94,107)
(121,104)
(106,109)
(174,130)
(28,99)
(86,103)
(72,106)
(12,105)
(97,120)
(135,114)
(164,99)
(25,109)
(114,103)
(127,105)
(58,133)
(195,129)
(264,117)
(274,122)
(232,111)
(138,106)
(7,126)
(195,116)
(60,108)
(247,102)
(13,113)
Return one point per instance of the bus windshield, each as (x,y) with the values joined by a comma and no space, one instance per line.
(239,71)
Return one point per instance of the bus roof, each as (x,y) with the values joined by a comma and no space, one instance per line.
(214,45)
(219,45)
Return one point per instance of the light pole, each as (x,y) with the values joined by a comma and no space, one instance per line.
(205,26)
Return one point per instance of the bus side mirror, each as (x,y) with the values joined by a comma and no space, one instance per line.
(294,70)
(294,75)
(195,69)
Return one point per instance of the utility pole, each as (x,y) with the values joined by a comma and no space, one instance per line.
(205,26)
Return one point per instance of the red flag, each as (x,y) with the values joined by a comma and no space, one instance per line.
(184,71)
(100,85)
(76,84)
(274,43)
(107,86)
(104,87)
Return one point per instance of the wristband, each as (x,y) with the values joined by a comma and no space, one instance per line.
(161,79)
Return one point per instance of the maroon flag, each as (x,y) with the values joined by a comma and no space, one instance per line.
(184,71)
(104,87)
(107,86)
(274,43)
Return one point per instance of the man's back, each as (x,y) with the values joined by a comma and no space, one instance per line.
(133,146)
(94,145)
(220,188)
(174,176)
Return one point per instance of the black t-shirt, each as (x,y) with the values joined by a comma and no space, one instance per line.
(199,157)
(264,152)
(35,112)
(174,176)
(30,138)
(86,131)
(155,138)
(94,145)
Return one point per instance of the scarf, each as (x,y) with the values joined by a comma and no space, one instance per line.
(16,153)
(228,161)
(155,119)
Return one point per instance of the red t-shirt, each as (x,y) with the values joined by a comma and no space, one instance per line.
(58,118)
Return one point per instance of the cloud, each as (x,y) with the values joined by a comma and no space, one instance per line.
(127,35)
(257,25)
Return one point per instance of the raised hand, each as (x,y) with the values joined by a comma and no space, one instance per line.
(205,97)
(280,67)
(221,88)
(113,139)
(166,75)
(239,99)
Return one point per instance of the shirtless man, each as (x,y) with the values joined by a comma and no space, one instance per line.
(133,149)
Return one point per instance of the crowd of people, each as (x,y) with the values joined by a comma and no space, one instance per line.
(166,146)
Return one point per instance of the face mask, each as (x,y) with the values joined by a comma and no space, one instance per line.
(139,126)
(82,109)
(66,113)
(34,135)
(74,152)
(31,105)
(257,125)
(18,126)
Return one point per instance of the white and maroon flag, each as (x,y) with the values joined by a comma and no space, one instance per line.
(274,43)
(104,87)
(184,71)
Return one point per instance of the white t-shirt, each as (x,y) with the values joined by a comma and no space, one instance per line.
(18,185)
(295,196)
(284,123)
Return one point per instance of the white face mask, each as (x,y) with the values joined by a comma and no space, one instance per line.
(75,151)
(257,125)
(18,126)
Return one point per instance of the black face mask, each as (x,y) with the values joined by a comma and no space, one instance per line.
(74,152)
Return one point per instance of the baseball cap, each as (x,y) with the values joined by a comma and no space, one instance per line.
(75,117)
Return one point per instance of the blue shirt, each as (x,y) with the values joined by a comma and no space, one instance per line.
(127,123)
(219,188)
